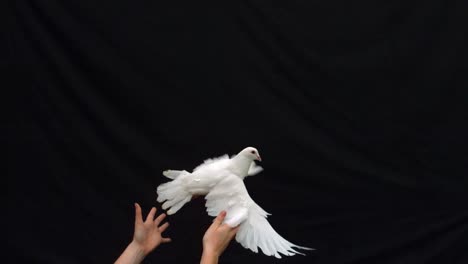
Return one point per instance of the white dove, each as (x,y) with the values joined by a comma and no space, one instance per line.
(221,180)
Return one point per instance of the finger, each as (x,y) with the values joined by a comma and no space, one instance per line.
(138,217)
(151,214)
(233,231)
(163,227)
(166,240)
(159,219)
(219,219)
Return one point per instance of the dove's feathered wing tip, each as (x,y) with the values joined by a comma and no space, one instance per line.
(254,169)
(172,174)
(304,248)
(278,250)
(256,233)
(285,249)
(301,248)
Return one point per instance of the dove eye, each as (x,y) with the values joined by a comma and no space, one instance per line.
(253,151)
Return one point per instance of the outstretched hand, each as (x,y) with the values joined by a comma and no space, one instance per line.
(217,238)
(148,234)
(146,237)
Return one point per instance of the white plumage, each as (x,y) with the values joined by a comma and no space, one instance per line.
(221,180)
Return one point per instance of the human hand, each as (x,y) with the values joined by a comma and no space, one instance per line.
(148,234)
(146,237)
(217,238)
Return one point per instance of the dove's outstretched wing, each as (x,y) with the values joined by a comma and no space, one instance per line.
(220,161)
(255,232)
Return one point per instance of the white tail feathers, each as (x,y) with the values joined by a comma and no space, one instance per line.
(173,193)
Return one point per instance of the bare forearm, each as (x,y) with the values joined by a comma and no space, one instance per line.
(133,254)
(209,258)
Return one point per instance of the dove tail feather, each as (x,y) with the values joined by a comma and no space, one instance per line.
(174,196)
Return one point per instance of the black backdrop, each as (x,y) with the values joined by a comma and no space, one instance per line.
(358,108)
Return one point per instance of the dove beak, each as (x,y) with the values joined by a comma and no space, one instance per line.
(259,158)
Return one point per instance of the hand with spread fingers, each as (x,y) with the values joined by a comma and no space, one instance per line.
(147,236)
(216,239)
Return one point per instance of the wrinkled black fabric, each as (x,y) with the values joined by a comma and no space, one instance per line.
(359,111)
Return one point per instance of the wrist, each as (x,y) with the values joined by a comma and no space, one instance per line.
(209,257)
(134,253)
(137,250)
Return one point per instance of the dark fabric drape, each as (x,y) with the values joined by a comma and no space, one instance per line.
(358,109)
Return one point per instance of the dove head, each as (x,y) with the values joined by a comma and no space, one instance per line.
(251,153)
